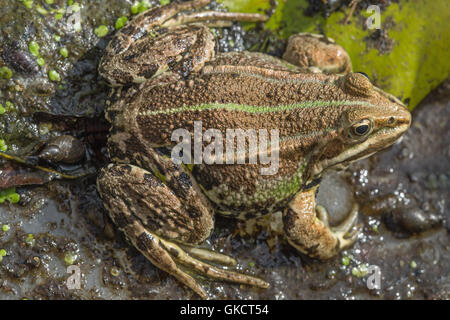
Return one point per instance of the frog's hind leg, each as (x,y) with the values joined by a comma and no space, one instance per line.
(155,219)
(155,42)
(313,236)
(142,49)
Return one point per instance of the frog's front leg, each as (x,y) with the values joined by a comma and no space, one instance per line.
(313,236)
(159,224)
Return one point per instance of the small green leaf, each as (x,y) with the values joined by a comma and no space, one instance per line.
(33,47)
(54,76)
(120,22)
(101,31)
(40,61)
(5,72)
(64,52)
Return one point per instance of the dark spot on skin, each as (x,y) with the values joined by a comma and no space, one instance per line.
(249,215)
(173,252)
(148,71)
(311,251)
(163,151)
(112,114)
(121,220)
(152,181)
(128,30)
(288,217)
(312,184)
(129,57)
(184,181)
(143,242)
(126,169)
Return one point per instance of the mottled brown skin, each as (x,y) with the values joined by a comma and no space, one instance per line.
(305,51)
(161,206)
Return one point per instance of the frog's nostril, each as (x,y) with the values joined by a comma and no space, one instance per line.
(391,120)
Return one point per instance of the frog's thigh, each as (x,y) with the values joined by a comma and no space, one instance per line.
(312,236)
(129,191)
(149,213)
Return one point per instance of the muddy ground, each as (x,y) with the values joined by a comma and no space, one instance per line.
(403,193)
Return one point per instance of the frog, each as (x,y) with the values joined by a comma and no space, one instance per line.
(166,74)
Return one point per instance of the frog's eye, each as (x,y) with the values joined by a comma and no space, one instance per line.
(364,74)
(361,128)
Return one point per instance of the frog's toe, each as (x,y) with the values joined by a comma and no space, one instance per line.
(209,270)
(345,232)
(211,256)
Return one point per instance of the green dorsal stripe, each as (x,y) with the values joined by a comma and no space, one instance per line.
(259,109)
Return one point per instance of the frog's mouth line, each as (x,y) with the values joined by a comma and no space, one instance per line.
(379,140)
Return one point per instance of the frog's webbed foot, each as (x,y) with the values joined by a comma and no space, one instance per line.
(157,216)
(313,235)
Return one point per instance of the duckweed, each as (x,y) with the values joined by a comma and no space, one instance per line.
(345,261)
(10,195)
(134,8)
(75,7)
(49,1)
(5,227)
(413,264)
(28,4)
(57,37)
(9,105)
(13,198)
(40,61)
(33,47)
(54,76)
(64,52)
(2,109)
(2,252)
(114,271)
(30,240)
(70,258)
(120,22)
(5,72)
(164,2)
(3,146)
(101,31)
(41,10)
(360,271)
(140,6)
